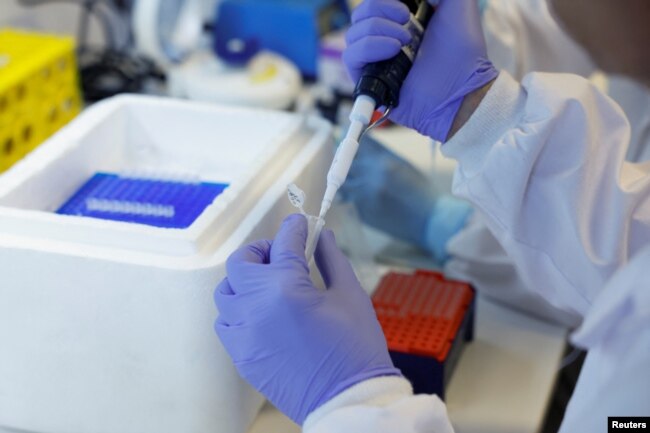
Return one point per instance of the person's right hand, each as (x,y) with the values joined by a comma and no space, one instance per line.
(452,61)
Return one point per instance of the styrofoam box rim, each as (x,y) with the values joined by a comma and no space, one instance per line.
(23,228)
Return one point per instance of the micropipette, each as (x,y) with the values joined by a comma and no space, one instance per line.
(379,86)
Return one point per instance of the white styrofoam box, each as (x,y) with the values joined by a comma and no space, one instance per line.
(107,327)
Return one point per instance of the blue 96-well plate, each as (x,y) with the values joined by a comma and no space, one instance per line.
(158,203)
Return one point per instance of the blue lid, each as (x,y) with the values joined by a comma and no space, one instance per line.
(237,51)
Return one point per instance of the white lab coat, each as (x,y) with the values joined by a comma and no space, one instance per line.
(543,161)
(522,36)
(577,225)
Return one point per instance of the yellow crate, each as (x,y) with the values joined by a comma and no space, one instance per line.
(39,90)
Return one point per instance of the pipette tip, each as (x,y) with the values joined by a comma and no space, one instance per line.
(323,210)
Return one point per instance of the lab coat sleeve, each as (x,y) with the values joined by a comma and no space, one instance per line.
(477,256)
(380,405)
(522,36)
(634,99)
(614,380)
(544,164)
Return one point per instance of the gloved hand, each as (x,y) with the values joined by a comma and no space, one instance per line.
(395,197)
(296,344)
(451,62)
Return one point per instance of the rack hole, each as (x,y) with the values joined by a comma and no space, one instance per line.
(27,133)
(3,104)
(21,91)
(8,146)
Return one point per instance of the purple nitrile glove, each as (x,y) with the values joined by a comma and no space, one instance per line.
(451,62)
(296,344)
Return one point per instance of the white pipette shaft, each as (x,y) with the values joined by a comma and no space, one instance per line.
(364,107)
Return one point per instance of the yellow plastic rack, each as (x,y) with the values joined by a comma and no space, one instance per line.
(39,90)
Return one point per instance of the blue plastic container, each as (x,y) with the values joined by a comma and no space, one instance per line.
(158,203)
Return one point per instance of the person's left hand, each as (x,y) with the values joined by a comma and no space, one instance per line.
(296,344)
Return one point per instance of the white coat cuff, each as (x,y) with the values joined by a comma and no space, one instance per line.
(499,112)
(380,391)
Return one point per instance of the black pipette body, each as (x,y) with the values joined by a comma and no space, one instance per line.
(382,81)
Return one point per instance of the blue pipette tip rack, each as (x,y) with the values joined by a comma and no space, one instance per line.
(153,202)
